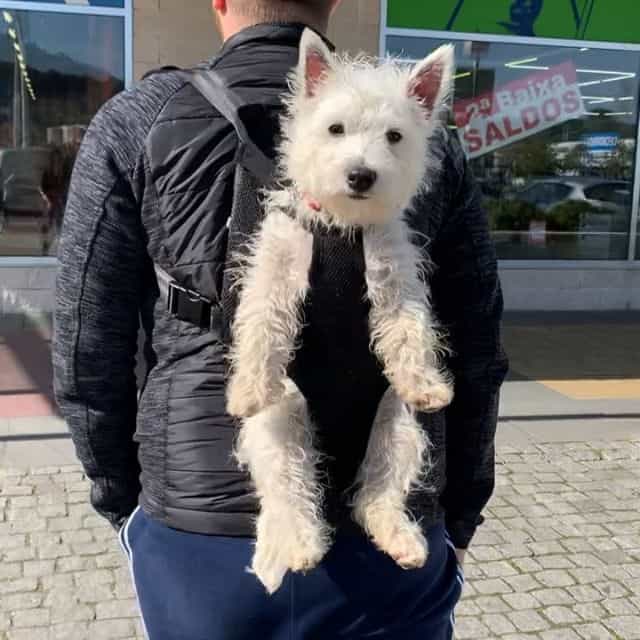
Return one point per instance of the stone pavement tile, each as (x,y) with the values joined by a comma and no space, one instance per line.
(584,593)
(498,569)
(117,609)
(556,561)
(485,553)
(554,578)
(546,549)
(498,624)
(560,634)
(586,560)
(550,597)
(627,627)
(559,615)
(30,618)
(521,601)
(492,586)
(111,629)
(22,601)
(69,631)
(594,631)
(522,583)
(611,589)
(620,607)
(468,607)
(590,611)
(527,565)
(492,604)
(587,576)
(528,620)
(470,628)
(41,633)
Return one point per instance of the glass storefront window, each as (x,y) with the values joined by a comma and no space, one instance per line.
(118,4)
(56,70)
(551,135)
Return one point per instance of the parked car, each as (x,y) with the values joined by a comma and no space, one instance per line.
(21,172)
(614,195)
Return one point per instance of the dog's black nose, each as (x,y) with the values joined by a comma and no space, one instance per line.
(362,179)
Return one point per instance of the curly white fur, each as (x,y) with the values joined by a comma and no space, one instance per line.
(394,464)
(276,438)
(276,446)
(267,321)
(402,328)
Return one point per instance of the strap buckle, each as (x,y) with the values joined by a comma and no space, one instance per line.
(189,306)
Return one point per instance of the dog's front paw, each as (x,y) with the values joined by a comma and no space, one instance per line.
(426,395)
(394,533)
(245,399)
(434,397)
(283,545)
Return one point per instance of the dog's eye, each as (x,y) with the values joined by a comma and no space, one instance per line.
(394,136)
(336,129)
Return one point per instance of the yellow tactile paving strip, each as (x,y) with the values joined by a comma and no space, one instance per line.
(582,362)
(595,389)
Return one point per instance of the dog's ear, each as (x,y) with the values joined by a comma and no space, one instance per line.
(431,80)
(315,62)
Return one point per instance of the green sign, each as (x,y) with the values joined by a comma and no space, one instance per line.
(602,20)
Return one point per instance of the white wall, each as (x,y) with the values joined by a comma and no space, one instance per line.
(26,290)
(166,33)
(572,287)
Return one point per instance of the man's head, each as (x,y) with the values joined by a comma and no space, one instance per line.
(234,15)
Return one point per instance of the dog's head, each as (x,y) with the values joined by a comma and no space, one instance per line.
(356,135)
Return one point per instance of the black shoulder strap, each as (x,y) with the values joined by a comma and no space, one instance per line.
(253,171)
(213,87)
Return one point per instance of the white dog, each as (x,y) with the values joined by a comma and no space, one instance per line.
(355,152)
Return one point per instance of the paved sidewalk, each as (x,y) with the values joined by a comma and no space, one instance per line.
(558,559)
(559,555)
(62,573)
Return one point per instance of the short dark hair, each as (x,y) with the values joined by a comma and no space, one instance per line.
(283,10)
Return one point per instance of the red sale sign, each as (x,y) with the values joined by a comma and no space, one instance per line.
(519,109)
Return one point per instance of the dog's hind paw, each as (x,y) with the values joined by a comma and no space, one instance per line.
(394,533)
(281,547)
(408,548)
(269,571)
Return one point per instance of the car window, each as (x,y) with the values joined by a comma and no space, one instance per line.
(558,192)
(613,192)
(530,194)
(552,193)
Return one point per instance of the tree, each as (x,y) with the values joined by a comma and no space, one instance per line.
(532,157)
(619,163)
(576,160)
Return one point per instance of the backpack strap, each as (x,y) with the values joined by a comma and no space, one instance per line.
(216,91)
(254,169)
(188,305)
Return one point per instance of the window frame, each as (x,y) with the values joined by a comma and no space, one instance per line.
(634,221)
(126,13)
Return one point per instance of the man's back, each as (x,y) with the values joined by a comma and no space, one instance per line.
(154,184)
(177,156)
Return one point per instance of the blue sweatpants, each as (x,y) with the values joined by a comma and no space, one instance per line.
(196,587)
